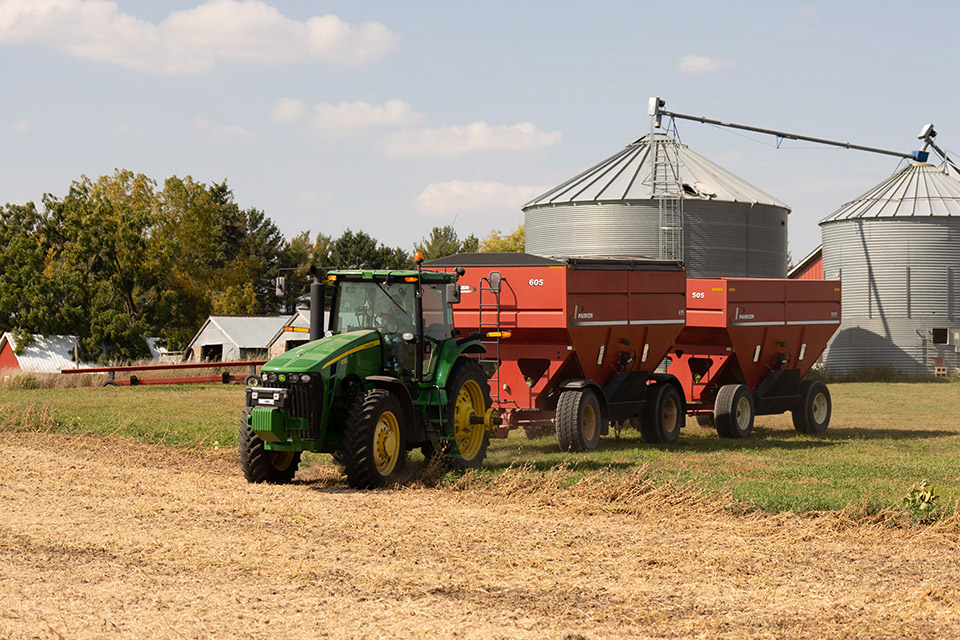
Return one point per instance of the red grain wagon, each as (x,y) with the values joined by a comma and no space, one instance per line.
(746,346)
(586,335)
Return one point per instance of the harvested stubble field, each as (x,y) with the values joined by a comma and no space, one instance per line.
(108,536)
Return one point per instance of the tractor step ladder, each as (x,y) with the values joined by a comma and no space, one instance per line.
(489,322)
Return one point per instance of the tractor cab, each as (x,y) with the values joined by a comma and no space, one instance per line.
(387,303)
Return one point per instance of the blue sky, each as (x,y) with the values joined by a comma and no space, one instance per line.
(395,117)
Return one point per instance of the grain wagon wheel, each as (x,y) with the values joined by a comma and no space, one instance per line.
(374,452)
(706,420)
(733,411)
(579,420)
(663,415)
(813,411)
(260,464)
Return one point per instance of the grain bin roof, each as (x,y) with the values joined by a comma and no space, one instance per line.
(918,190)
(626,176)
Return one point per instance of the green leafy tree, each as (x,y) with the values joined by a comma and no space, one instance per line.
(496,242)
(443,241)
(361,251)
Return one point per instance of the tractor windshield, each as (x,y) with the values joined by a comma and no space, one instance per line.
(390,309)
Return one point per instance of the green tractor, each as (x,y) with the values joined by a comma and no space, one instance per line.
(388,375)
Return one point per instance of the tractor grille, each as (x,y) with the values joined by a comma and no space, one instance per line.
(306,401)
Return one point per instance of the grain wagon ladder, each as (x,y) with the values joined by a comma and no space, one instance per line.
(489,325)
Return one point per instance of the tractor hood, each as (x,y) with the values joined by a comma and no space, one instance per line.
(320,354)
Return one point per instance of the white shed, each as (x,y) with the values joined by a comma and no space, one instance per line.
(232,338)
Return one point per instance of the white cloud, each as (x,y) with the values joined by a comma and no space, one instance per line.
(702,64)
(287,110)
(346,118)
(20,126)
(460,140)
(809,13)
(222,130)
(459,196)
(191,41)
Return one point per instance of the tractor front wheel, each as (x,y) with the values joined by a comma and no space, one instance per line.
(468,394)
(373,445)
(260,464)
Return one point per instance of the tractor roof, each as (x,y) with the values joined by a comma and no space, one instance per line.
(391,275)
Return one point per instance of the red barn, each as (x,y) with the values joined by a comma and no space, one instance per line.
(810,268)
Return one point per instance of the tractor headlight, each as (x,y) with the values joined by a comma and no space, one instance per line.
(270,377)
(293,377)
(305,377)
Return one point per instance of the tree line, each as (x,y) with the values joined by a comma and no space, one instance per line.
(122,258)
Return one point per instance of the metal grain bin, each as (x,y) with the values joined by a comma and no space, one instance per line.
(729,227)
(897,250)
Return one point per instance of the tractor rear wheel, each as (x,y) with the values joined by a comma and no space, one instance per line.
(373,444)
(812,414)
(468,395)
(733,411)
(579,420)
(260,464)
(663,415)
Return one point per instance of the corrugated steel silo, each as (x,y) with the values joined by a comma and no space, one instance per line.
(897,250)
(730,227)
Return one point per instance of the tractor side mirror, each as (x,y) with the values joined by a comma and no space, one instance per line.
(453,293)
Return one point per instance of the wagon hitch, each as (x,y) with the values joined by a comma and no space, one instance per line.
(491,420)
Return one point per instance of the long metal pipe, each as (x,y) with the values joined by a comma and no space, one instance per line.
(785,135)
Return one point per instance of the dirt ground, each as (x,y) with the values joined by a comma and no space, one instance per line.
(104,538)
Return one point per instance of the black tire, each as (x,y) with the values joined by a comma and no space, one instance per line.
(259,464)
(374,450)
(109,383)
(468,394)
(663,415)
(252,381)
(579,420)
(812,414)
(706,420)
(536,431)
(733,411)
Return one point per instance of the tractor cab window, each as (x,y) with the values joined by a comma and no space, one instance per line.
(437,322)
(386,308)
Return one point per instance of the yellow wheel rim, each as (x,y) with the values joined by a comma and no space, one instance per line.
(588,424)
(281,460)
(469,436)
(386,443)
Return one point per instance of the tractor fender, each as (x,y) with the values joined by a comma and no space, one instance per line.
(666,378)
(601,397)
(397,388)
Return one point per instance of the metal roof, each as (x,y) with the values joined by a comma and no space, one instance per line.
(245,331)
(918,190)
(45,354)
(626,176)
